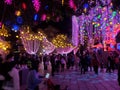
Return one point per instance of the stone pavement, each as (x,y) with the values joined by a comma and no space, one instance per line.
(89,81)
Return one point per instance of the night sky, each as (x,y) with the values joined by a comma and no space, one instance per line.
(8,17)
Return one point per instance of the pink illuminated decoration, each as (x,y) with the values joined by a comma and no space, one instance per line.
(36,5)
(30,40)
(64,50)
(100,25)
(75,31)
(24,6)
(44,16)
(9,2)
(71,3)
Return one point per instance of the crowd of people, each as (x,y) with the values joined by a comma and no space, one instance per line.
(55,63)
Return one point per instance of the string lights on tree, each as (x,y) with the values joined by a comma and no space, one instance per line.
(62,44)
(99,25)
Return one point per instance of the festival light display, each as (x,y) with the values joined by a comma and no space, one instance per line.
(4,47)
(46,47)
(75,31)
(63,46)
(4,31)
(31,40)
(101,24)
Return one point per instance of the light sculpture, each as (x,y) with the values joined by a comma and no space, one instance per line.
(46,47)
(63,46)
(31,41)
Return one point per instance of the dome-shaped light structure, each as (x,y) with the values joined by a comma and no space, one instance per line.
(47,46)
(62,44)
(31,40)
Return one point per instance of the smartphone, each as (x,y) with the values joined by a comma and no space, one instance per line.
(47,75)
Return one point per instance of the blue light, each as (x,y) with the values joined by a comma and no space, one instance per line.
(46,7)
(15,27)
(35,17)
(86,5)
(19,20)
(118,46)
(112,46)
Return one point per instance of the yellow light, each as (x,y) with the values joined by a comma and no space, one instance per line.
(4,46)
(17,36)
(17,13)
(61,41)
(98,24)
(111,23)
(105,19)
(3,31)
(93,23)
(62,2)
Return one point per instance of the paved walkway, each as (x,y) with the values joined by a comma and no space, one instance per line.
(88,81)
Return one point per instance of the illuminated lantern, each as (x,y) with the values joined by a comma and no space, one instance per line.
(44,16)
(9,2)
(36,5)
(35,17)
(24,6)
(17,13)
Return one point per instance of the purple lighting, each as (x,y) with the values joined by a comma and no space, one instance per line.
(9,2)
(75,31)
(36,5)
(71,4)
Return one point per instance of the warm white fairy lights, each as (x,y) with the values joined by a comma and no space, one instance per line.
(30,40)
(4,47)
(62,44)
(47,47)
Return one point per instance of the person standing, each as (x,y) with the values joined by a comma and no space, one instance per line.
(34,79)
(52,60)
(95,63)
